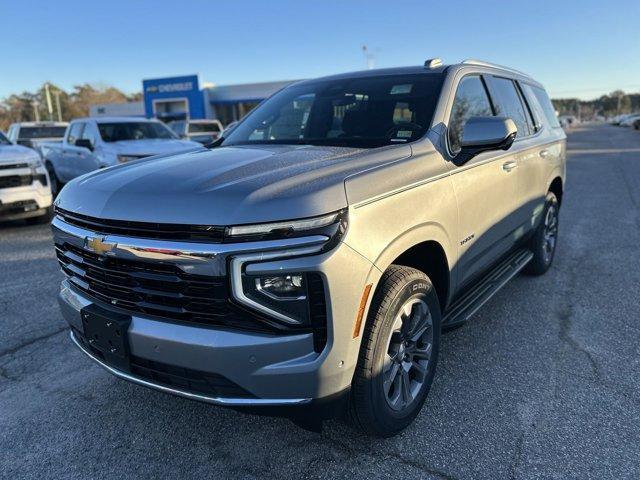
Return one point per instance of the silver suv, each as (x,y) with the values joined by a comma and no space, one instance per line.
(307,262)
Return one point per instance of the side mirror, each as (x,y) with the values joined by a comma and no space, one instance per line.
(483,134)
(84,143)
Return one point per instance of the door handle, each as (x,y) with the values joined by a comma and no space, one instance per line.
(510,165)
(544,153)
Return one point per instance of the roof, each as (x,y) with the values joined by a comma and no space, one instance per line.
(115,119)
(42,124)
(421,69)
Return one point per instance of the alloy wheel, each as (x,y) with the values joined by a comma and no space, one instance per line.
(550,233)
(406,363)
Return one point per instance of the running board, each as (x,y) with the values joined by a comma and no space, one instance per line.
(463,308)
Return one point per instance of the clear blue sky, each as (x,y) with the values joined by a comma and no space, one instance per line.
(576,48)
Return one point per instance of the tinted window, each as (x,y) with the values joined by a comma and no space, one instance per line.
(41,132)
(75,131)
(509,104)
(471,101)
(4,140)
(359,112)
(89,133)
(118,131)
(545,104)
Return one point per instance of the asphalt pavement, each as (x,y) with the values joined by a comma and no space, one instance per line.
(544,382)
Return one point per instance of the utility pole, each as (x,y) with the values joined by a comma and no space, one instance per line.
(370,57)
(57,94)
(36,113)
(49,107)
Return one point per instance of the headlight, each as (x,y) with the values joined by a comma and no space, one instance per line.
(126,158)
(332,225)
(284,297)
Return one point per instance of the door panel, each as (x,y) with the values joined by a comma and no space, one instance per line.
(486,192)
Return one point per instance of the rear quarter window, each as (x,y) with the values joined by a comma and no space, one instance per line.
(539,96)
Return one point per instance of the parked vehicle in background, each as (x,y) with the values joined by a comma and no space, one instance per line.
(629,120)
(567,121)
(617,120)
(201,131)
(636,124)
(93,143)
(308,260)
(24,184)
(32,134)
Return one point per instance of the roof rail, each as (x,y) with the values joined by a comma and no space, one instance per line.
(480,63)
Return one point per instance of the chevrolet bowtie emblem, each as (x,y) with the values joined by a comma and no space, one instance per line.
(98,245)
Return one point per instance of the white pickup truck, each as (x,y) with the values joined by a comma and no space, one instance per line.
(24,184)
(93,143)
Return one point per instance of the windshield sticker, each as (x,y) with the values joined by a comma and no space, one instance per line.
(399,89)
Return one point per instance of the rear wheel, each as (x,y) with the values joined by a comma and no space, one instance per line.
(398,354)
(543,243)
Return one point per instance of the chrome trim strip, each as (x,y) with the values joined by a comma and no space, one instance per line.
(167,249)
(236,278)
(191,395)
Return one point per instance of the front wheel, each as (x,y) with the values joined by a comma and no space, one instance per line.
(398,355)
(543,243)
(53,178)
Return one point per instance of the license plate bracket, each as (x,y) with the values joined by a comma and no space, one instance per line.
(106,332)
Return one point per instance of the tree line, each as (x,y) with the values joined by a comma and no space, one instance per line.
(58,104)
(616,103)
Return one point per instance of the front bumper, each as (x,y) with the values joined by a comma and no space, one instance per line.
(25,201)
(276,369)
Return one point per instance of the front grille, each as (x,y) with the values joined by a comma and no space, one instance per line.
(160,231)
(9,166)
(11,181)
(158,289)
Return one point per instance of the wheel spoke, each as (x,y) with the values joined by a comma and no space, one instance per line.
(421,371)
(423,352)
(406,388)
(391,377)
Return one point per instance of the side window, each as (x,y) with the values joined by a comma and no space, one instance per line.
(538,94)
(89,133)
(75,131)
(471,101)
(508,103)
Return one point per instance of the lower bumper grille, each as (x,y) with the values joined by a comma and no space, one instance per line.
(196,381)
(15,208)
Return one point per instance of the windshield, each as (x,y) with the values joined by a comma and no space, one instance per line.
(41,132)
(117,131)
(4,140)
(204,127)
(353,112)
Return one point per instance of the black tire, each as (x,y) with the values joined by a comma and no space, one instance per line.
(56,185)
(371,407)
(543,252)
(44,218)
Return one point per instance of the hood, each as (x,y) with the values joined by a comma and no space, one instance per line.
(225,186)
(151,146)
(17,153)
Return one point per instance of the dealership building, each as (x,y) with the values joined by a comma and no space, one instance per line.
(177,98)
